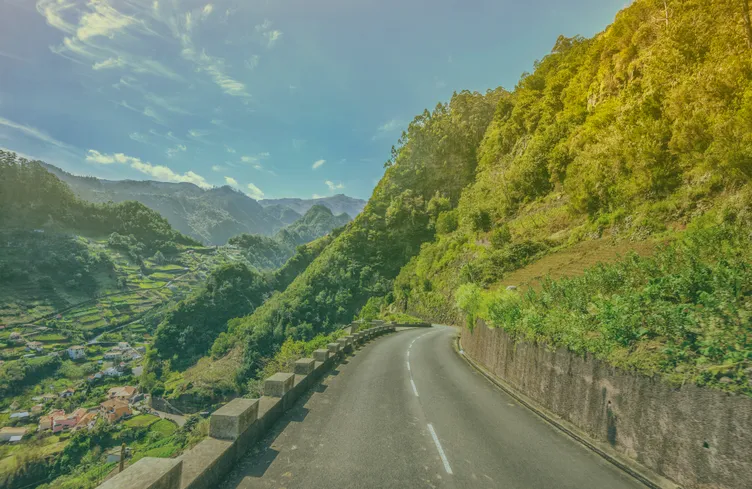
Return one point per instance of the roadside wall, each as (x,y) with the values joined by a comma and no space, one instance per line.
(699,438)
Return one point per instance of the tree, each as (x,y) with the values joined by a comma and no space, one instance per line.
(747,21)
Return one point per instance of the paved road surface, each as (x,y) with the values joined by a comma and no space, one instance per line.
(407,412)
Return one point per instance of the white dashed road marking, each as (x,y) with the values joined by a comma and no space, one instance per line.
(441,450)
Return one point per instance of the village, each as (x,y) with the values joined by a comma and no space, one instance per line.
(42,416)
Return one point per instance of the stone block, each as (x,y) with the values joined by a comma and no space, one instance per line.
(148,473)
(278,384)
(321,355)
(333,348)
(305,366)
(232,419)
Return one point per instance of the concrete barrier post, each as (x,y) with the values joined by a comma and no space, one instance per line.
(305,366)
(231,420)
(344,344)
(333,348)
(148,473)
(278,384)
(321,355)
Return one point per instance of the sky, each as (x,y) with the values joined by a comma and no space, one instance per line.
(283,98)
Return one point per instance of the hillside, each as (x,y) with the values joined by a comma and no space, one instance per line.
(338,204)
(211,216)
(622,136)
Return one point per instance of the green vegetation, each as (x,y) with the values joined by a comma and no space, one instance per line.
(632,135)
(683,312)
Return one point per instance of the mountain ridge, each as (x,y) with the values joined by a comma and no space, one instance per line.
(212,216)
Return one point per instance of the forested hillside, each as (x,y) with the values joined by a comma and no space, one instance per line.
(630,135)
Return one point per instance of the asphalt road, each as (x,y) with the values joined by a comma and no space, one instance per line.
(407,412)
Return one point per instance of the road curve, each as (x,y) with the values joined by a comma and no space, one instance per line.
(407,412)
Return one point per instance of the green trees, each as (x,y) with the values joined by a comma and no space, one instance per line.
(188,330)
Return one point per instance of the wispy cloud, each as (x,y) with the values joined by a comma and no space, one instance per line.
(32,132)
(198,134)
(218,168)
(159,172)
(138,137)
(180,148)
(230,150)
(270,35)
(318,164)
(388,128)
(334,186)
(254,192)
(252,62)
(231,181)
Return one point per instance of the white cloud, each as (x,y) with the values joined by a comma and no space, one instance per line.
(103,21)
(318,164)
(218,168)
(317,196)
(208,9)
(254,192)
(231,181)
(252,62)
(108,64)
(197,133)
(180,148)
(270,35)
(334,186)
(137,136)
(159,172)
(230,150)
(32,132)
(387,129)
(151,113)
(217,122)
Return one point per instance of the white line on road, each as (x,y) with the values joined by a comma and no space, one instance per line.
(415,390)
(408,365)
(441,450)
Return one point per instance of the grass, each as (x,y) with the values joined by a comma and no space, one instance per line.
(141,421)
(164,427)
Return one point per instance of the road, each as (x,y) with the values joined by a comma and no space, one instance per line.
(407,412)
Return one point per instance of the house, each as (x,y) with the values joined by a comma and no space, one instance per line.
(63,423)
(12,434)
(126,393)
(87,421)
(21,415)
(49,397)
(114,354)
(113,372)
(34,346)
(45,422)
(95,377)
(76,352)
(14,336)
(37,409)
(123,345)
(67,393)
(114,410)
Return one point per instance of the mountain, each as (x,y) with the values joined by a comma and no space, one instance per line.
(642,132)
(338,204)
(266,253)
(317,221)
(212,216)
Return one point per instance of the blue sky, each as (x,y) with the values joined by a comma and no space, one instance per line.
(285,98)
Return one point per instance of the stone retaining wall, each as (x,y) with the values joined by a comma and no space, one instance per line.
(697,437)
(237,426)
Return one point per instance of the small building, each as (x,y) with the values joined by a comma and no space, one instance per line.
(77,352)
(21,415)
(113,372)
(127,393)
(114,354)
(46,422)
(63,423)
(123,345)
(87,421)
(49,397)
(37,409)
(114,410)
(15,336)
(10,434)
(67,393)
(34,346)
